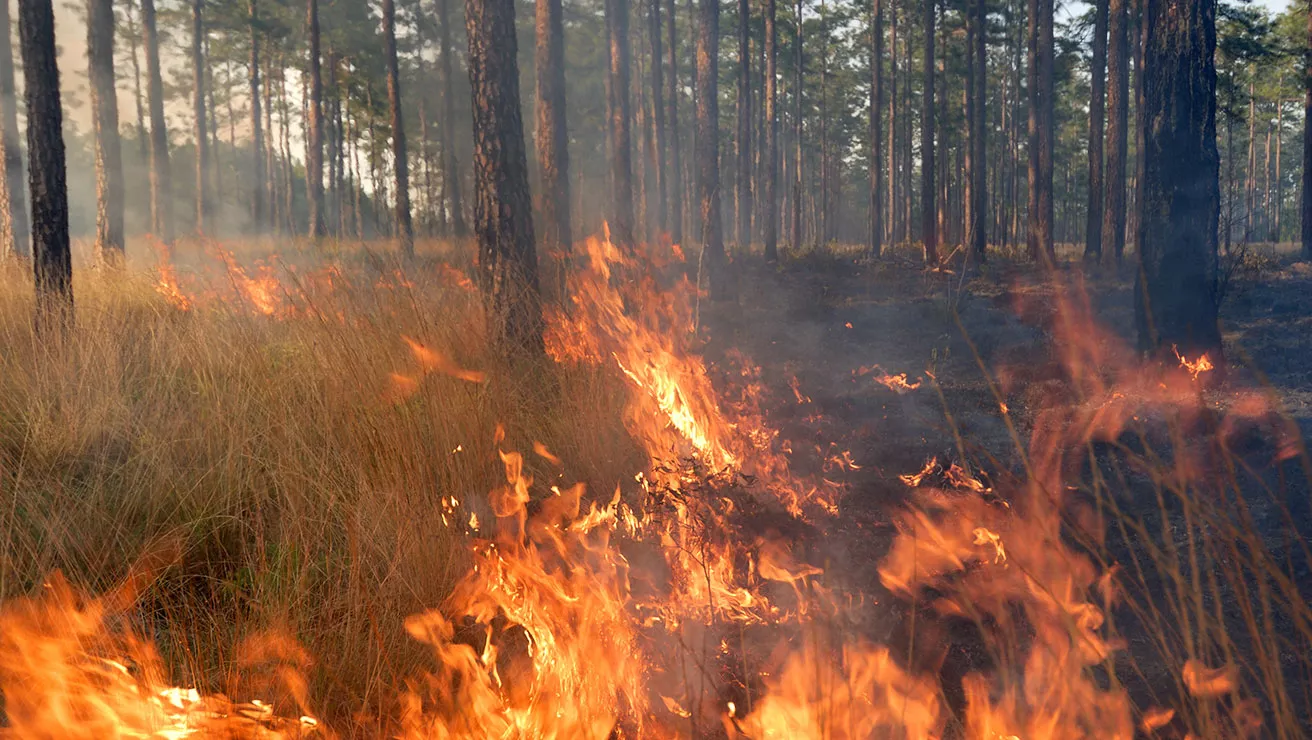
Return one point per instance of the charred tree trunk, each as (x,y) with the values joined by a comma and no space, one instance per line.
(876,127)
(503,208)
(104,120)
(1118,103)
(1043,218)
(314,144)
(1093,226)
(14,241)
(46,167)
(1307,144)
(928,193)
(675,174)
(770,166)
(1176,298)
(620,115)
(161,177)
(405,233)
(657,115)
(553,135)
(978,233)
(200,130)
(708,146)
(743,145)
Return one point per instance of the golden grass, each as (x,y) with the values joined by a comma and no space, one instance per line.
(271,456)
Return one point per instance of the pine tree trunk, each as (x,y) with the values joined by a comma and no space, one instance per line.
(743,145)
(104,118)
(770,166)
(46,167)
(405,232)
(503,208)
(1250,173)
(1307,145)
(619,115)
(314,122)
(553,132)
(1118,103)
(928,191)
(1046,132)
(876,128)
(446,81)
(675,174)
(14,238)
(257,122)
(708,147)
(894,222)
(161,177)
(1093,229)
(978,236)
(658,116)
(1176,298)
(200,120)
(1276,232)
(798,96)
(135,40)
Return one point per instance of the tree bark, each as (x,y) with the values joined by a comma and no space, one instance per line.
(257,121)
(661,170)
(1097,116)
(619,115)
(798,95)
(978,236)
(46,167)
(200,127)
(553,131)
(1046,132)
(876,128)
(708,146)
(675,175)
(104,117)
(1307,144)
(446,81)
(314,145)
(503,208)
(770,166)
(928,193)
(161,176)
(1118,103)
(405,232)
(1176,302)
(135,43)
(14,238)
(743,145)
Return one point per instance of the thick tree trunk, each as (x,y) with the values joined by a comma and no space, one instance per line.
(14,241)
(876,128)
(798,96)
(200,117)
(405,232)
(46,167)
(978,236)
(1307,144)
(503,208)
(770,166)
(257,122)
(928,193)
(658,115)
(104,119)
(553,136)
(1118,104)
(1176,297)
(161,177)
(619,116)
(314,115)
(1097,69)
(708,147)
(743,145)
(675,174)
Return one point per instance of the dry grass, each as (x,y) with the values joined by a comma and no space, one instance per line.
(269,458)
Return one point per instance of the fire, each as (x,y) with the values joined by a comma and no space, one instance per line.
(167,286)
(263,292)
(1196,367)
(899,383)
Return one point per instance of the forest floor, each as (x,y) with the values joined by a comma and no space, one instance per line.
(977,347)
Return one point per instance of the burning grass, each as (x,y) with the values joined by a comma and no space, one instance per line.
(306,490)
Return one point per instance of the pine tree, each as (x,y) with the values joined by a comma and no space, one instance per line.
(104,119)
(404,227)
(14,238)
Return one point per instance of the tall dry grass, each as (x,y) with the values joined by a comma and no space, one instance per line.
(269,465)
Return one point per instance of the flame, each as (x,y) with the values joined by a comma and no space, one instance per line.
(167,286)
(1195,368)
